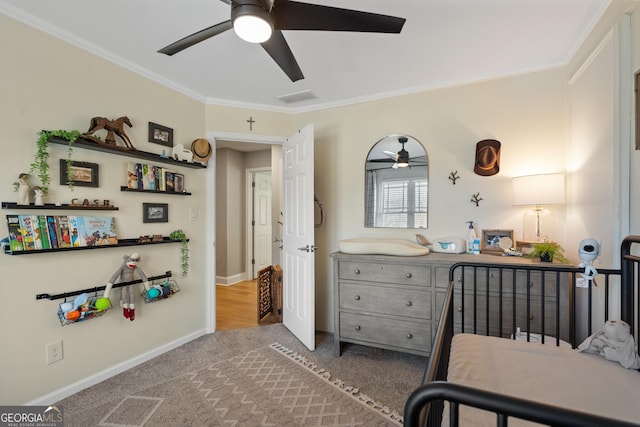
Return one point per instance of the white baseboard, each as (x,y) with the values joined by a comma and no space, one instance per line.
(67,391)
(230,280)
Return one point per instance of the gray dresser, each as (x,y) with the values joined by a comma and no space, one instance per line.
(395,302)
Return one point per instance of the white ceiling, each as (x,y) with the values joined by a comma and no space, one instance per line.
(443,43)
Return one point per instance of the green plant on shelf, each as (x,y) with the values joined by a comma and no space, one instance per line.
(184,249)
(41,163)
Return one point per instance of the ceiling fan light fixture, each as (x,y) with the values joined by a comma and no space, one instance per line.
(252,23)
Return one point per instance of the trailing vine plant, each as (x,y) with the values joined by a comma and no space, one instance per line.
(184,250)
(41,163)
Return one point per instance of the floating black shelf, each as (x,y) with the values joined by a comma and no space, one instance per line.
(121,243)
(142,190)
(90,145)
(11,205)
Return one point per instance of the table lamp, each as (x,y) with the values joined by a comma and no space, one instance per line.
(538,191)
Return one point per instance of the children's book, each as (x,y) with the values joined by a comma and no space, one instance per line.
(64,239)
(27,232)
(15,233)
(52,226)
(76,227)
(132,175)
(44,232)
(100,230)
(37,234)
(139,175)
(169,181)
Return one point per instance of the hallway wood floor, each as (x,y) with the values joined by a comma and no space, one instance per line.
(237,306)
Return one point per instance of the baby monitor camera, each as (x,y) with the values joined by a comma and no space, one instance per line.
(589,249)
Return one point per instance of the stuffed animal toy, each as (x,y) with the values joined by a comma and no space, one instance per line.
(615,343)
(126,273)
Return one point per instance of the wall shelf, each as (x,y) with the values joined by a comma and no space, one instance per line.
(141,190)
(152,157)
(121,243)
(11,205)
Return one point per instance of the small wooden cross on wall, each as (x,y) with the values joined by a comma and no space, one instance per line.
(251,122)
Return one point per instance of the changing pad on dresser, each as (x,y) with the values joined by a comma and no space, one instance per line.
(398,247)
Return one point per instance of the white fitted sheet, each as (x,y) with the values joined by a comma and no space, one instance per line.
(542,372)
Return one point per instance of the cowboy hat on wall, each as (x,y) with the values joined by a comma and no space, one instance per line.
(487,157)
(201,150)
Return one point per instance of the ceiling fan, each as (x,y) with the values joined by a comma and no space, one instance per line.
(262,21)
(401,158)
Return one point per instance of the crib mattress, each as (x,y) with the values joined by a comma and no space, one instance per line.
(543,372)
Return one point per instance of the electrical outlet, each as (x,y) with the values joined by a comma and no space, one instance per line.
(581,282)
(54,352)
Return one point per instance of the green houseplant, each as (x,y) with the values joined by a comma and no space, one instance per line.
(41,163)
(184,250)
(548,251)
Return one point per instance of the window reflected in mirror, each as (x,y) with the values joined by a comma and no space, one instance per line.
(396,184)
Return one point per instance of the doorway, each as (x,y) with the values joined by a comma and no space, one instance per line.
(245,207)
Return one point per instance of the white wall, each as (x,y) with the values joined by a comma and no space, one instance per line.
(49,84)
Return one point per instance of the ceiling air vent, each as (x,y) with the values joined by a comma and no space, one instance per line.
(297,96)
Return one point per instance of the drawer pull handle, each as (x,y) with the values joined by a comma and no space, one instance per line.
(357,328)
(409,303)
(357,297)
(531,284)
(409,335)
(459,309)
(409,275)
(531,317)
(356,271)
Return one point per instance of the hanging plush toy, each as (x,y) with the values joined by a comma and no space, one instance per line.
(126,273)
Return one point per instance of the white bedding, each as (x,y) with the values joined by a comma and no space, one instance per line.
(543,372)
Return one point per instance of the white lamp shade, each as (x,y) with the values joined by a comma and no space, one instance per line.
(546,189)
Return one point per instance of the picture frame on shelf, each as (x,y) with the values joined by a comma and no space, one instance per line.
(495,241)
(178,182)
(159,134)
(155,212)
(85,174)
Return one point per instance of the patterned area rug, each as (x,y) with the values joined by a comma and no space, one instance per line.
(269,386)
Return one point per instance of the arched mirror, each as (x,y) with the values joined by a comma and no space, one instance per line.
(396,184)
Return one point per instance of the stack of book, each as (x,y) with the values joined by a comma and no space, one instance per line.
(32,232)
(143,176)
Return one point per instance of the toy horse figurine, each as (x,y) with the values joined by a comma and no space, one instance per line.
(113,127)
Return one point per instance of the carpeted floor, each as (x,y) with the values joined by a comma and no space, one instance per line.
(203,383)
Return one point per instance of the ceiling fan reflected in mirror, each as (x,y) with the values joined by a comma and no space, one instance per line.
(262,21)
(401,158)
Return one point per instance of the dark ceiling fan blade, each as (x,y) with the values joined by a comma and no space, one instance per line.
(291,15)
(278,48)
(195,38)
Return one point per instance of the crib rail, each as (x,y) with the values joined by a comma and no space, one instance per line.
(503,406)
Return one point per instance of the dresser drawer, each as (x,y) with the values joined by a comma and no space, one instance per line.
(396,300)
(385,273)
(391,332)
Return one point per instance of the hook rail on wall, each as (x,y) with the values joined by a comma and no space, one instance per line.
(99,288)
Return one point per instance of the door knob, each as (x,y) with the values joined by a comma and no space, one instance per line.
(308,248)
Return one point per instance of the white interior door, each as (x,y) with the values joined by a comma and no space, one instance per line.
(261,221)
(298,264)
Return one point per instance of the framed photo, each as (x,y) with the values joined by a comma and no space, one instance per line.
(84,174)
(159,134)
(178,182)
(155,212)
(496,241)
